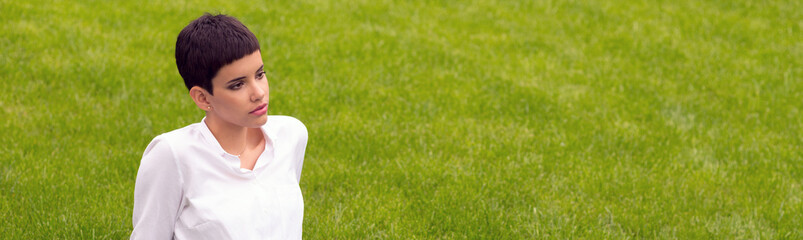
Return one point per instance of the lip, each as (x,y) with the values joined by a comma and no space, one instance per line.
(261,110)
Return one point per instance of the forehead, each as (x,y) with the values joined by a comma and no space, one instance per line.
(245,66)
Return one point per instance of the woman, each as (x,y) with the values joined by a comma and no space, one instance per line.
(234,174)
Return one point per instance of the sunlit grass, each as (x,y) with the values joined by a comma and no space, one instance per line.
(432,119)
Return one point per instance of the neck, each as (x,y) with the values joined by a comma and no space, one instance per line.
(232,138)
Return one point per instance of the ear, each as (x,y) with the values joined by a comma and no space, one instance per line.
(200,96)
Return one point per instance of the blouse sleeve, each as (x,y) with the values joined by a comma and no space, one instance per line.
(301,148)
(158,193)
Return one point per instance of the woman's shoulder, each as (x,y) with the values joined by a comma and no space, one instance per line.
(282,121)
(285,125)
(178,137)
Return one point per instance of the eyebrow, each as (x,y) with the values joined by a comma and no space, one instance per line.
(243,77)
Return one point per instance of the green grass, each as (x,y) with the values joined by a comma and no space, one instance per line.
(432,119)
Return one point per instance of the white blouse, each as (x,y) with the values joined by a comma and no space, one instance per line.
(188,187)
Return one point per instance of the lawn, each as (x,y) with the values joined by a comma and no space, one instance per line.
(432,119)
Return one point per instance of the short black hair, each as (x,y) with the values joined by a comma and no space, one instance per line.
(209,43)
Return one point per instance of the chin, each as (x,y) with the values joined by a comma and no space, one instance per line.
(260,121)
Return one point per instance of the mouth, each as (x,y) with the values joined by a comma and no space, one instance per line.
(261,110)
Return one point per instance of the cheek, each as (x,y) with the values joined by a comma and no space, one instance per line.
(229,101)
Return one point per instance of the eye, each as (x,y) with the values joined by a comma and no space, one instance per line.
(260,75)
(236,86)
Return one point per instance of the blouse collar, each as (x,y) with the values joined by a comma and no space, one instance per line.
(210,140)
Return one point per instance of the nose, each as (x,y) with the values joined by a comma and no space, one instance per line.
(258,93)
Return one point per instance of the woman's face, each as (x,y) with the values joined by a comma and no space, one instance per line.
(241,93)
